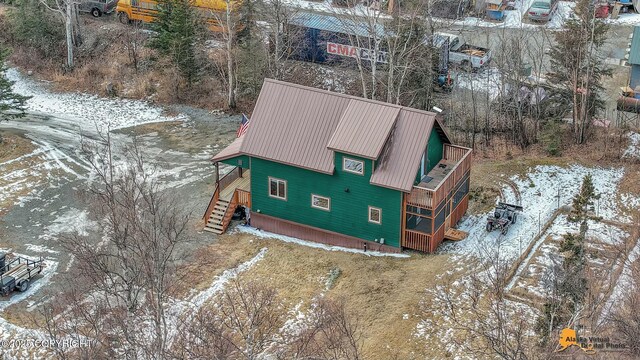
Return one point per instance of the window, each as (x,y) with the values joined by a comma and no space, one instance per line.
(375,215)
(353,166)
(277,188)
(418,223)
(320,202)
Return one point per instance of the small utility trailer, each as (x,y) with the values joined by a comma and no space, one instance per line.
(503,216)
(17,273)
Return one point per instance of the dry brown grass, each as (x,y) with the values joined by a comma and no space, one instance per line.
(631,179)
(13,146)
(378,290)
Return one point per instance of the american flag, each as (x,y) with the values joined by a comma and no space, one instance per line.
(244,125)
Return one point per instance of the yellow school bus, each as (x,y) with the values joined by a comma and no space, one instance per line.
(146,10)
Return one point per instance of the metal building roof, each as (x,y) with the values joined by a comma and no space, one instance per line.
(400,160)
(297,125)
(292,124)
(634,54)
(230,151)
(335,23)
(364,128)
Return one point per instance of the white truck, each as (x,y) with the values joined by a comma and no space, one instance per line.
(467,56)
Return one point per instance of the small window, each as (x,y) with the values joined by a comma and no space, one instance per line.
(320,202)
(278,188)
(353,166)
(375,215)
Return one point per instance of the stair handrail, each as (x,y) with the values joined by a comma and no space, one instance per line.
(212,204)
(228,214)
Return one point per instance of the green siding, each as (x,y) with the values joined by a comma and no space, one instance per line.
(240,160)
(434,149)
(349,210)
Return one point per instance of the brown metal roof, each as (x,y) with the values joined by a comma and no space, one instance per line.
(364,128)
(298,126)
(292,124)
(400,159)
(230,151)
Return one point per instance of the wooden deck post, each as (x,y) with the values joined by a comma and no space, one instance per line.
(217,173)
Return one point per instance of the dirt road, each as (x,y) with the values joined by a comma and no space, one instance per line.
(40,191)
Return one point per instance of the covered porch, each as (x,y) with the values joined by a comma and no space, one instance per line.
(437,202)
(231,190)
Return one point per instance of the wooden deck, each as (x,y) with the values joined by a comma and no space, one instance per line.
(242,183)
(438,173)
(455,234)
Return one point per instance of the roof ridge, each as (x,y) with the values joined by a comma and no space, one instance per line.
(352,97)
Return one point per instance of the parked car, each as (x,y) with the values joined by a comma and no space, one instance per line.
(465,55)
(98,7)
(542,10)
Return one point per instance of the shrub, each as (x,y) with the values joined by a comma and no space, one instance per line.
(33,26)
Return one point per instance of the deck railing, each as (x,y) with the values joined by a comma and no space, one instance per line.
(223,182)
(430,198)
(229,177)
(212,204)
(244,198)
(420,241)
(416,240)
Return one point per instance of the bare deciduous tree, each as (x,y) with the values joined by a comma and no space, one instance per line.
(127,278)
(68,11)
(249,321)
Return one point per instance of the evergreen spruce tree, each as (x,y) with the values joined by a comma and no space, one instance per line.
(177,32)
(36,27)
(570,287)
(578,66)
(584,200)
(12,105)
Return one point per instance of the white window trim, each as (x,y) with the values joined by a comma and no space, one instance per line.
(328,208)
(344,167)
(379,222)
(285,188)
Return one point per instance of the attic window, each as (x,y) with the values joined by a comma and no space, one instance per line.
(353,166)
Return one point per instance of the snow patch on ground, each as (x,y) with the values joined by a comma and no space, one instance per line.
(487,81)
(625,19)
(545,254)
(72,221)
(89,111)
(633,150)
(539,190)
(267,235)
(625,281)
(221,281)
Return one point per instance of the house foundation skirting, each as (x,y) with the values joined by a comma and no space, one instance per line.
(304,232)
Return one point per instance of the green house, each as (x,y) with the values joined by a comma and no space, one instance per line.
(343,170)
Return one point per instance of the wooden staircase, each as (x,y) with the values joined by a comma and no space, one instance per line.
(215,223)
(231,191)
